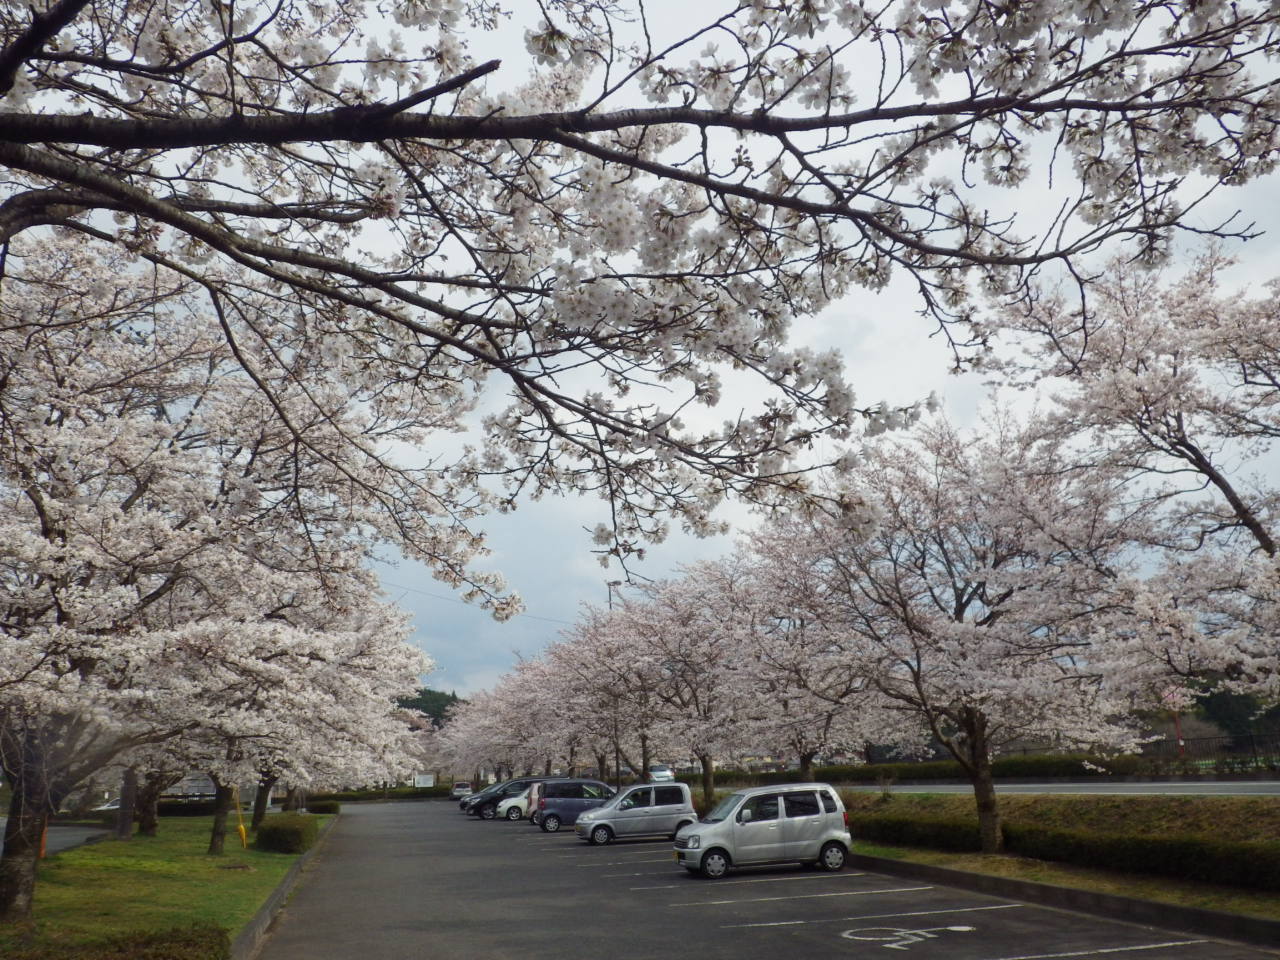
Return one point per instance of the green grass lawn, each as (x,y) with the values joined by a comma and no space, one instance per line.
(118,887)
(1160,889)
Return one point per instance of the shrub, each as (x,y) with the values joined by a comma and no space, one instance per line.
(186,808)
(191,943)
(380,793)
(1245,864)
(323,806)
(287,833)
(936,834)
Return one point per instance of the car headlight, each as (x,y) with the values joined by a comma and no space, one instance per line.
(692,842)
(587,816)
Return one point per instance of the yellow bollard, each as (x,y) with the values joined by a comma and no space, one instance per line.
(244,834)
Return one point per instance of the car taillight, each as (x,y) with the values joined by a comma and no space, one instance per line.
(846,819)
(542,803)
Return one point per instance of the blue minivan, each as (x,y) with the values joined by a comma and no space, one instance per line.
(562,800)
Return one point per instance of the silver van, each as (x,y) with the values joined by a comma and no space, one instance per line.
(785,823)
(645,810)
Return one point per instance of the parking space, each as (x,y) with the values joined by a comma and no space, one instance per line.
(507,889)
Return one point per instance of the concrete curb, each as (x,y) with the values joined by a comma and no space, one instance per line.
(245,944)
(1228,926)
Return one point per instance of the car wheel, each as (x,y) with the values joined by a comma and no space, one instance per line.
(535,818)
(832,857)
(514,813)
(601,835)
(488,811)
(550,823)
(715,864)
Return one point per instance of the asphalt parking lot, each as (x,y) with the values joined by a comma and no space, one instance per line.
(420,879)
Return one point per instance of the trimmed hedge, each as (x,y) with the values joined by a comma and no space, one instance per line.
(936,834)
(287,833)
(390,793)
(323,806)
(186,808)
(191,943)
(1242,864)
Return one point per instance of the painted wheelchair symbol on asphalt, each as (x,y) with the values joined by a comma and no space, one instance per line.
(899,938)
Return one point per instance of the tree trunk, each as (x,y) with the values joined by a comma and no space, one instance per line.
(806,766)
(28,817)
(221,807)
(261,799)
(546,768)
(128,804)
(292,800)
(602,767)
(990,829)
(643,773)
(708,779)
(153,784)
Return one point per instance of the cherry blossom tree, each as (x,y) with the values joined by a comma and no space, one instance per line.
(653,199)
(981,606)
(165,534)
(1174,381)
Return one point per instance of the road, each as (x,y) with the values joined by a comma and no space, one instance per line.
(400,880)
(1217,788)
(63,838)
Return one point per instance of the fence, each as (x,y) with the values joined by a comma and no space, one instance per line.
(1243,752)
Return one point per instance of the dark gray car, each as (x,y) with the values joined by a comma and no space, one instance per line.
(562,801)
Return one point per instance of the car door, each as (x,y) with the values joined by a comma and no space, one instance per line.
(594,794)
(633,812)
(668,804)
(757,833)
(803,824)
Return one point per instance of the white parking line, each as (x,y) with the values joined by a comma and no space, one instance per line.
(807,896)
(1101,951)
(872,916)
(615,876)
(725,883)
(623,863)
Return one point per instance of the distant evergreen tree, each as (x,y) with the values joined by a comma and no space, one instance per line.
(433,703)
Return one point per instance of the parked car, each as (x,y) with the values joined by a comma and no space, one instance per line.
(486,806)
(786,823)
(562,801)
(460,789)
(661,773)
(517,807)
(645,810)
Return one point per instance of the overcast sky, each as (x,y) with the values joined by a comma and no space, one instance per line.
(544,548)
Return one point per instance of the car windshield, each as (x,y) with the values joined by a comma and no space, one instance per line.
(721,809)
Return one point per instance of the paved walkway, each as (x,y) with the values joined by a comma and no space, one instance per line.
(62,838)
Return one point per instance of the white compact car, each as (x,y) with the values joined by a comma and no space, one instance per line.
(786,823)
(514,808)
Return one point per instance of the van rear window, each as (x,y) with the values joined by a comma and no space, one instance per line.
(828,801)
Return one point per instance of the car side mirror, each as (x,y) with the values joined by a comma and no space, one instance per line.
(744,816)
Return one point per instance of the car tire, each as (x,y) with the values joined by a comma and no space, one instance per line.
(514,813)
(601,835)
(550,823)
(535,818)
(714,865)
(832,857)
(488,811)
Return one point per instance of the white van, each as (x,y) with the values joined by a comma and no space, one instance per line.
(785,823)
(645,810)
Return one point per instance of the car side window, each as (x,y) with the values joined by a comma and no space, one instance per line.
(802,804)
(828,801)
(763,807)
(593,791)
(667,796)
(638,798)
